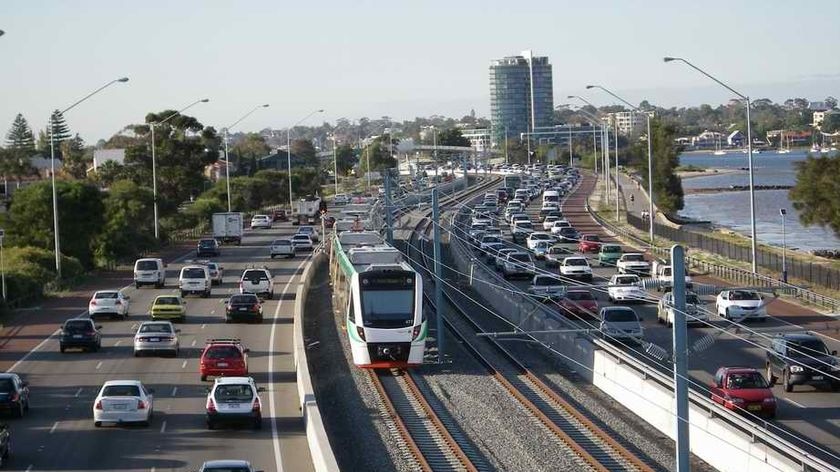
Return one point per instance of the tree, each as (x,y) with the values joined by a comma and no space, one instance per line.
(305,152)
(667,186)
(129,223)
(76,162)
(15,159)
(20,137)
(831,123)
(109,172)
(816,193)
(517,151)
(378,155)
(346,157)
(251,147)
(831,102)
(452,137)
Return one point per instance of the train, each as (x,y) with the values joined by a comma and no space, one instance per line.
(381,296)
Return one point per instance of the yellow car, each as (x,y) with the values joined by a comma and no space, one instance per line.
(169,307)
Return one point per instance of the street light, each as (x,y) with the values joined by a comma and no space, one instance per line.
(605,145)
(593,120)
(650,157)
(227,156)
(783,212)
(335,162)
(154,169)
(289,150)
(754,241)
(52,170)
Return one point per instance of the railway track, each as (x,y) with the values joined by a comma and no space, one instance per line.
(594,448)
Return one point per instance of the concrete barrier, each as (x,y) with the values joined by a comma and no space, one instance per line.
(323,458)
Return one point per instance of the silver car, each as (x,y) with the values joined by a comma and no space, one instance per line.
(157,336)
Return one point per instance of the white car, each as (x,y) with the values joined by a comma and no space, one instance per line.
(620,323)
(740,304)
(558,225)
(112,303)
(341,199)
(633,263)
(227,465)
(518,263)
(123,401)
(693,313)
(257,281)
(261,221)
(548,222)
(302,242)
(195,279)
(217,272)
(234,400)
(535,237)
(282,247)
(149,271)
(626,288)
(156,336)
(310,231)
(576,267)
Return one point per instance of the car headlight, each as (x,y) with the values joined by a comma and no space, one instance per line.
(796,368)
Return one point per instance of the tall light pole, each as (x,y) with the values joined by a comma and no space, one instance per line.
(154,168)
(650,156)
(289,149)
(753,237)
(335,162)
(783,212)
(533,112)
(52,170)
(506,145)
(227,155)
(605,146)
(593,120)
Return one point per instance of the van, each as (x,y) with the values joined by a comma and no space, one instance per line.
(195,279)
(551,196)
(149,271)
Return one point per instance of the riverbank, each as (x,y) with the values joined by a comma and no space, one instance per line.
(691,172)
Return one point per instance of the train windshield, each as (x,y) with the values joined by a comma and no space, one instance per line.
(388,301)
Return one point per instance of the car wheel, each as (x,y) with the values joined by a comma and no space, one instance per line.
(97,424)
(207,294)
(257,423)
(18,412)
(137,285)
(211,425)
(786,381)
(136,353)
(271,295)
(145,424)
(771,379)
(61,348)
(272,256)
(835,386)
(183,294)
(203,378)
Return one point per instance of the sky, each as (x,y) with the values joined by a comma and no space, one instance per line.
(403,59)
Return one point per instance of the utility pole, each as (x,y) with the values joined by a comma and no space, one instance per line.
(438,273)
(466,175)
(680,357)
(571,159)
(606,157)
(389,217)
(617,200)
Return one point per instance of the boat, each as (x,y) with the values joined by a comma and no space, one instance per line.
(718,150)
(815,147)
(782,148)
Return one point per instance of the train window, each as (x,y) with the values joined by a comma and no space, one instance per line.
(388,308)
(351,310)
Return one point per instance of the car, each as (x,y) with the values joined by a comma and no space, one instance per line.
(492,250)
(501,256)
(802,359)
(518,263)
(282,247)
(310,231)
(149,271)
(546,210)
(245,307)
(547,287)
(279,215)
(5,444)
(195,279)
(576,267)
(208,247)
(257,281)
(609,254)
(541,248)
(111,303)
(260,221)
(156,336)
(589,243)
(626,288)
(555,254)
(217,272)
(223,357)
(80,333)
(488,239)
(633,263)
(521,230)
(234,399)
(568,235)
(536,237)
(578,302)
(341,199)
(227,465)
(123,401)
(693,313)
(302,242)
(558,225)
(743,389)
(548,222)
(168,307)
(14,394)
(740,305)
(620,323)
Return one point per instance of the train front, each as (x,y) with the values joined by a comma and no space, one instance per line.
(390,329)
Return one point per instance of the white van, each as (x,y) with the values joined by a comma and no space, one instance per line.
(149,271)
(195,279)
(551,196)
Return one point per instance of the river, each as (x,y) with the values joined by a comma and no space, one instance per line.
(732,209)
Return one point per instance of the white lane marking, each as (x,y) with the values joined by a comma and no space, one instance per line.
(99,365)
(184,365)
(212,312)
(153,469)
(133,327)
(794,403)
(203,326)
(278,460)
(78,392)
(174,391)
(28,469)
(193,343)
(118,343)
(163,427)
(55,425)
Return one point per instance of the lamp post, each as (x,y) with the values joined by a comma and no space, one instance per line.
(605,146)
(650,157)
(783,212)
(154,168)
(506,146)
(753,238)
(289,149)
(335,162)
(593,119)
(227,155)
(52,170)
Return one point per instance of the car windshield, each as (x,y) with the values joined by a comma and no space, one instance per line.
(105,295)
(306,230)
(6,386)
(524,225)
(520,257)
(609,248)
(233,393)
(626,280)
(301,237)
(579,296)
(255,275)
(156,328)
(742,295)
(147,265)
(807,348)
(78,326)
(121,391)
(243,299)
(167,301)
(591,237)
(741,380)
(620,316)
(222,352)
(212,266)
(547,281)
(193,273)
(207,243)
(633,258)
(576,262)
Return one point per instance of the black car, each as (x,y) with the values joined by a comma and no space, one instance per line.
(80,333)
(14,394)
(800,359)
(244,307)
(569,235)
(207,247)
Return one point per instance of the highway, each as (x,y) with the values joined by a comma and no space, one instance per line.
(58,432)
(808,411)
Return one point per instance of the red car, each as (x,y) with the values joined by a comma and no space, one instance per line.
(578,302)
(224,357)
(743,389)
(589,243)
(279,215)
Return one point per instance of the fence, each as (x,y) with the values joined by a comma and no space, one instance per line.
(816,274)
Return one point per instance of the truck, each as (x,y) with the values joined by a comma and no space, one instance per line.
(512,181)
(662,273)
(227,227)
(305,210)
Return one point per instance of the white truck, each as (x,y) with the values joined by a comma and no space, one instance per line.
(305,210)
(227,227)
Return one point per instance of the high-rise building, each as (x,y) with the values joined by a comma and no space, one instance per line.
(511,88)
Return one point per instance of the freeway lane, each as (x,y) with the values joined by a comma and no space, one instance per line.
(58,433)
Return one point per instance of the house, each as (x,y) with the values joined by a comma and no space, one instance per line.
(736,139)
(217,171)
(707,139)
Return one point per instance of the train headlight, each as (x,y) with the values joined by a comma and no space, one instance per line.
(361,332)
(416,332)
